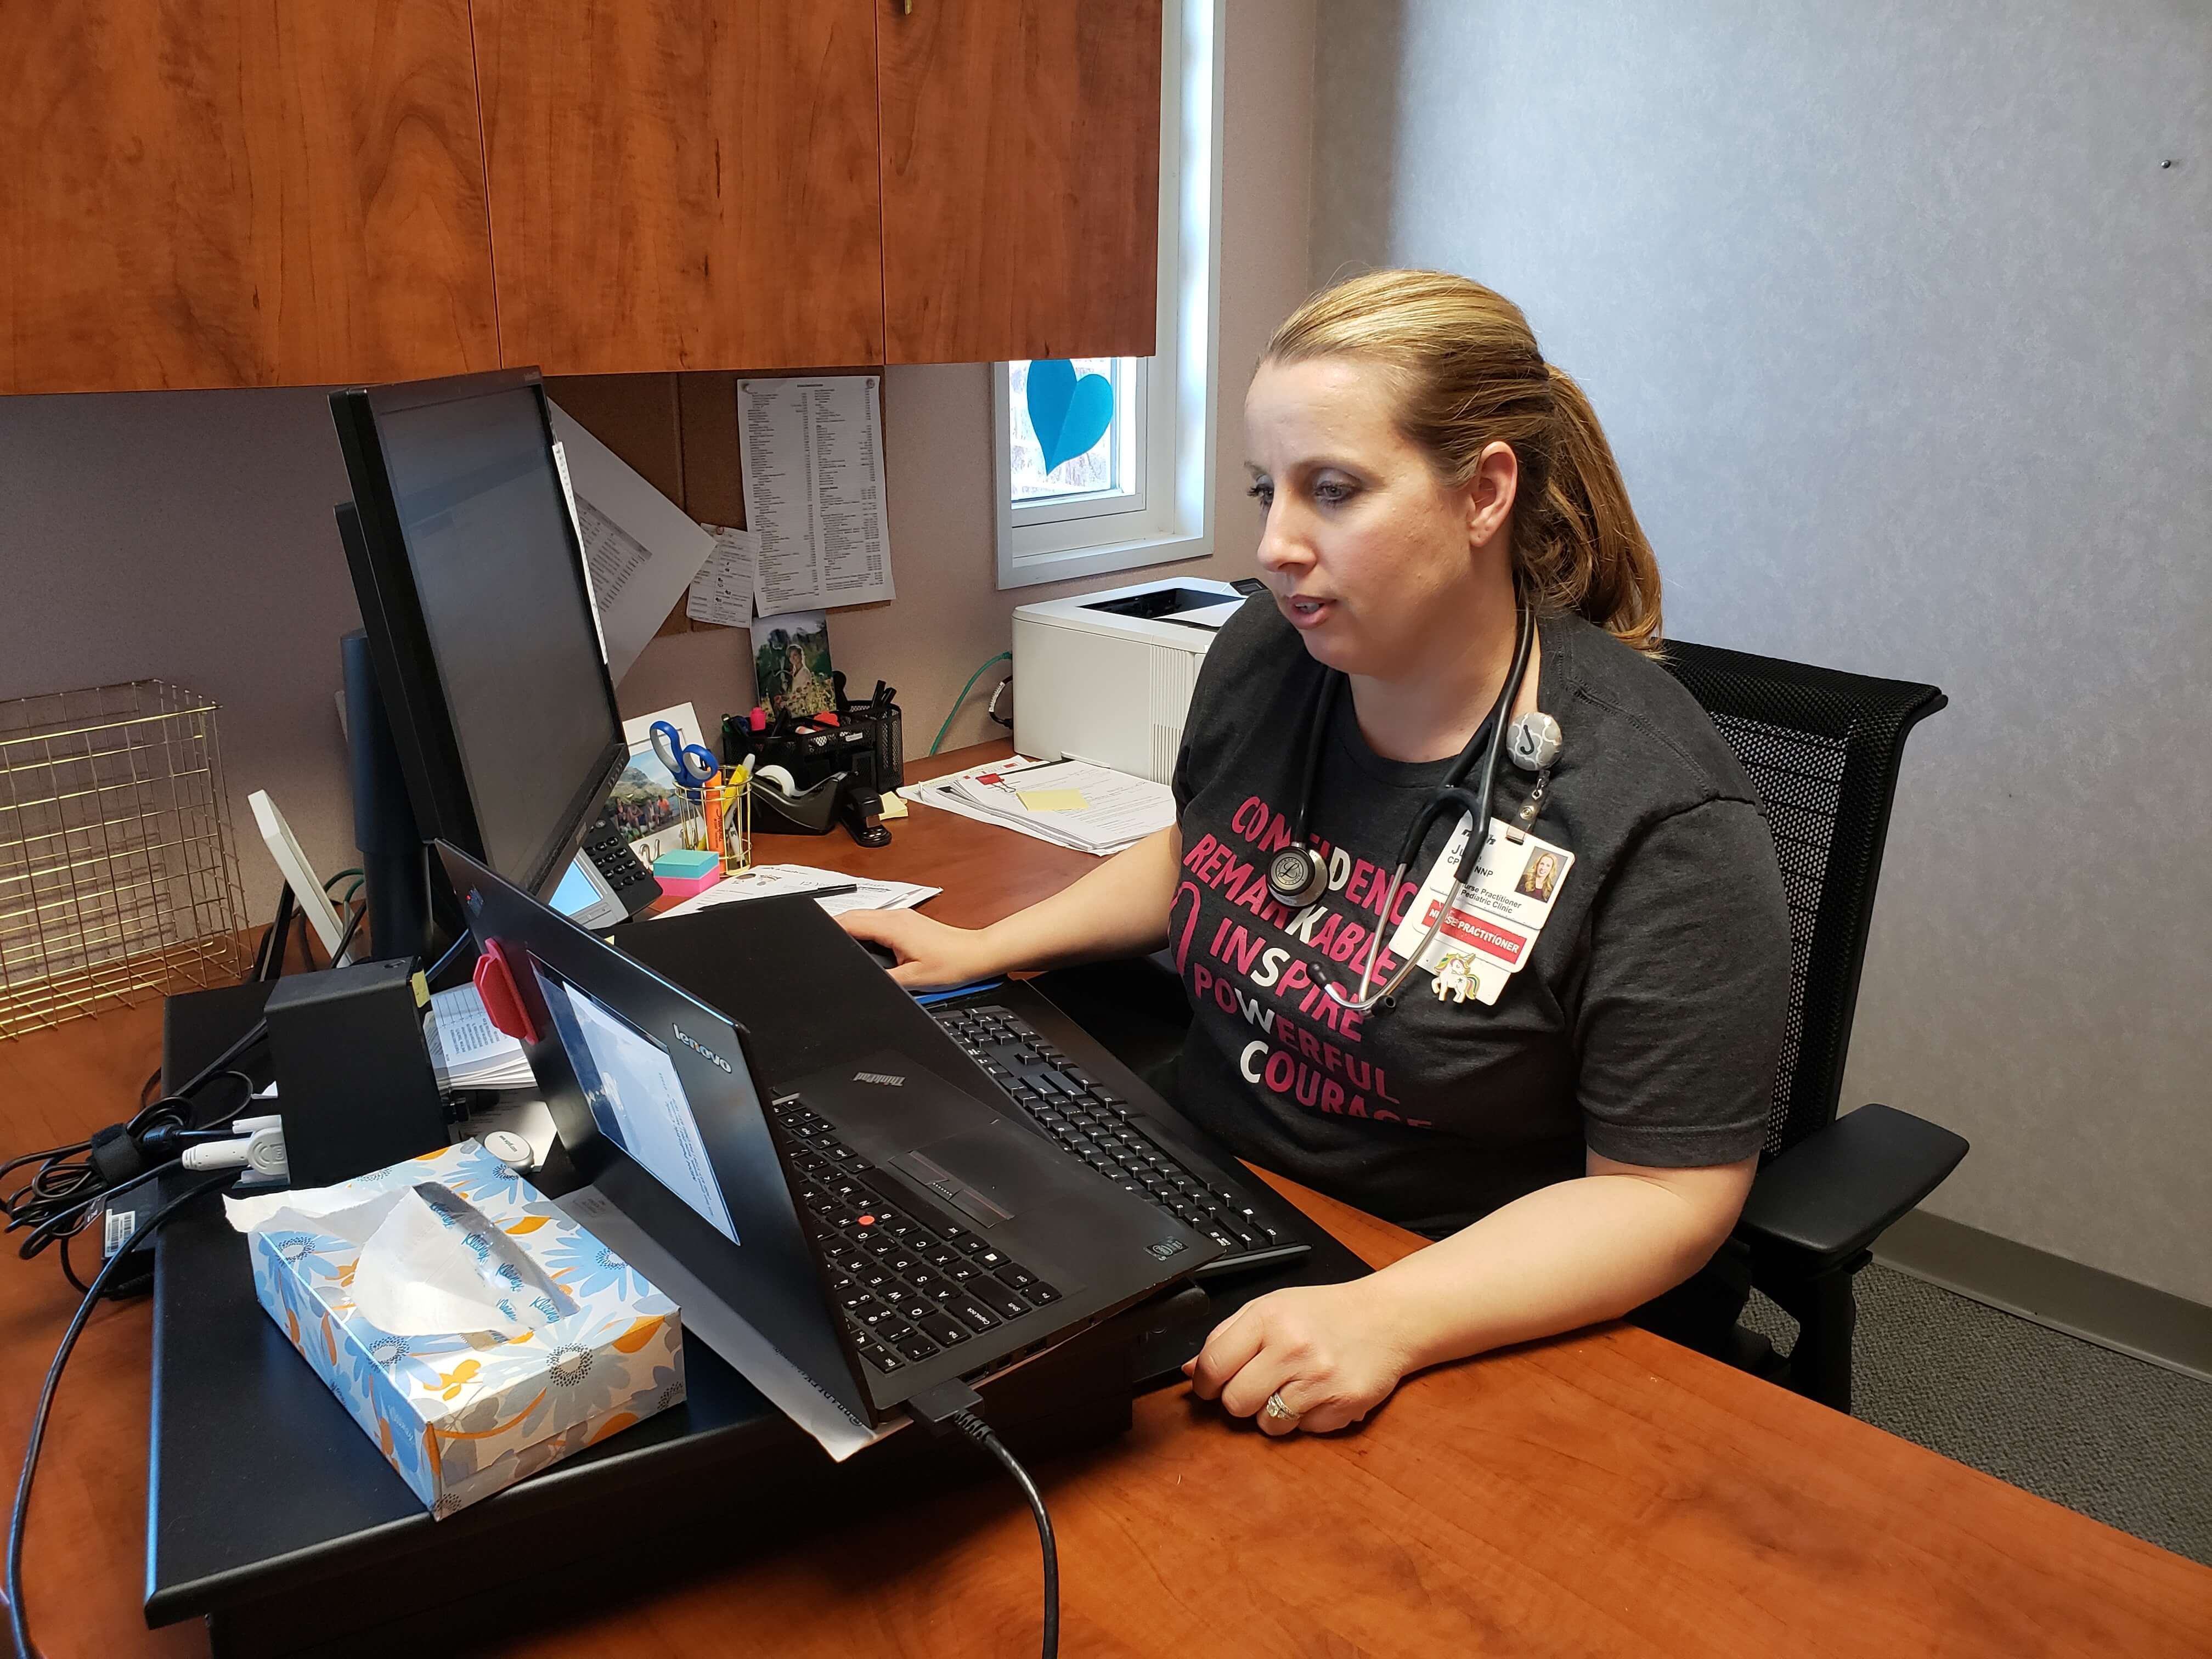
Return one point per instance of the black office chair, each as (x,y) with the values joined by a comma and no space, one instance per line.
(1822,748)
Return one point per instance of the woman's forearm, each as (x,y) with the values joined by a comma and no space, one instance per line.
(1562,1257)
(1119,909)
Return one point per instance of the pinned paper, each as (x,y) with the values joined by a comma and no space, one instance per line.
(641,550)
(1054,800)
(811,456)
(722,591)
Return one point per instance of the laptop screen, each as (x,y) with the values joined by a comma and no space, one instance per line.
(635,1097)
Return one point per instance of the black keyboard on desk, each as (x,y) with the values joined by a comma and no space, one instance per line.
(1113,1137)
(908,1289)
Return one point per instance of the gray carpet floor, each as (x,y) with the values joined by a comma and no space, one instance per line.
(2121,1440)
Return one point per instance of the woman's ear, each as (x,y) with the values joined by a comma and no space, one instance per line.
(1490,493)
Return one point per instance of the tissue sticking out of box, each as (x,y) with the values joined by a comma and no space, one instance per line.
(432,1264)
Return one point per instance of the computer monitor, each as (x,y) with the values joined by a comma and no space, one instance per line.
(478,615)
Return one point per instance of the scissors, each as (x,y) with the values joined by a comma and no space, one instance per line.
(690,764)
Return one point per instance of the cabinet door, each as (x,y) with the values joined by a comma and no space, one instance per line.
(1021,151)
(234,193)
(683,183)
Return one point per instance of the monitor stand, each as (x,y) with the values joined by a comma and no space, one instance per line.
(394,862)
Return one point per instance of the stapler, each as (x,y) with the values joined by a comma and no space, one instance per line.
(841,798)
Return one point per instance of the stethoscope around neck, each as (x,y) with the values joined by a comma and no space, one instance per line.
(1296,877)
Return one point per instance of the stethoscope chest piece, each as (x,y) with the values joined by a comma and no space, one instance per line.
(1296,876)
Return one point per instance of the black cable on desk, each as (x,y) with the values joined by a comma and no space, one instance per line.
(70,1182)
(953,1405)
(18,1623)
(979,1431)
(66,1223)
(165,1109)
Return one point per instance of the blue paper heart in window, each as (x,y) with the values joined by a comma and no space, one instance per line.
(1069,416)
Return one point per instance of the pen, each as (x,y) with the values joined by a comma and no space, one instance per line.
(831,891)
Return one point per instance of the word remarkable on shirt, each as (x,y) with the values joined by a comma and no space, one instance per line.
(1278,964)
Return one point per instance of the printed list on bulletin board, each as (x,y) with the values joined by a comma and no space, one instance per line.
(811,454)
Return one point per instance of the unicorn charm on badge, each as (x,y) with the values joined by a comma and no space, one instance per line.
(1455,978)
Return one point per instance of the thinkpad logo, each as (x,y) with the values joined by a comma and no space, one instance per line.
(885,1078)
(1166,1248)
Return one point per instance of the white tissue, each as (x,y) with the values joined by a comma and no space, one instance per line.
(431,1265)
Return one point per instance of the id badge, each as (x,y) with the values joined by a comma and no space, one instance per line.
(1492,928)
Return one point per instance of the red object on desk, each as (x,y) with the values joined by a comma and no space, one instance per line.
(503,1001)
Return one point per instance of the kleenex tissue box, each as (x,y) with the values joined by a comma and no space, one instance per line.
(475,1332)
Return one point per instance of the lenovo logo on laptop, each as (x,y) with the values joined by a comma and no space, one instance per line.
(697,1047)
(884,1078)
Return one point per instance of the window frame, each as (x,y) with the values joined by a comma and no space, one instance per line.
(1168,513)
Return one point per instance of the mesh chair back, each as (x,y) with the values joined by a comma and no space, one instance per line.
(1822,749)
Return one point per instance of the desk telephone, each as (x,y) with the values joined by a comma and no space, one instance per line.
(620,885)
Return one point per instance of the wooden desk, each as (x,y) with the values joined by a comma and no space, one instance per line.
(1605,1493)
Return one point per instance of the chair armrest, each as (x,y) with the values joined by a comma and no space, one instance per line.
(1832,1194)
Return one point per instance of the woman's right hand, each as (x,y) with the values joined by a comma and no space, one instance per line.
(932,957)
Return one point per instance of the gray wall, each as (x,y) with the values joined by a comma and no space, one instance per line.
(1904,336)
(187,536)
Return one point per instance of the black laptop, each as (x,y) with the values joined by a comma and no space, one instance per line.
(882,1229)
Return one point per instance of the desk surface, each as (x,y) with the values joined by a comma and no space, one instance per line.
(1607,1492)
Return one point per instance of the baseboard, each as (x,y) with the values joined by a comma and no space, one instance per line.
(2088,1302)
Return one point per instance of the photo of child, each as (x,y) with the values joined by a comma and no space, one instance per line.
(791,662)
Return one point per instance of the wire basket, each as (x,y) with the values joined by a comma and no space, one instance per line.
(724,811)
(118,877)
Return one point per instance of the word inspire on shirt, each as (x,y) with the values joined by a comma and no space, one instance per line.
(1262,970)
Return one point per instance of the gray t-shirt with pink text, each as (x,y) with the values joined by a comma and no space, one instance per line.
(1645,1025)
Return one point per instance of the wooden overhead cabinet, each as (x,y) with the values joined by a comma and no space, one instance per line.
(238,192)
(274,192)
(683,183)
(1021,158)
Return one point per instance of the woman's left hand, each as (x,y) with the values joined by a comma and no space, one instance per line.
(1327,1349)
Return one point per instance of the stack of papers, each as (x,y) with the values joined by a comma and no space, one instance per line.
(467,1051)
(838,892)
(1070,803)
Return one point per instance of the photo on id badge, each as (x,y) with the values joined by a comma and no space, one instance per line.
(1540,875)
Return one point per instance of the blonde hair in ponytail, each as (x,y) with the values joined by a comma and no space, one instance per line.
(1469,374)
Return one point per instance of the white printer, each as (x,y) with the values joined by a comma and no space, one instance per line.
(1107,676)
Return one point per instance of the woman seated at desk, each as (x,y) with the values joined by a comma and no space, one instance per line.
(1567,1082)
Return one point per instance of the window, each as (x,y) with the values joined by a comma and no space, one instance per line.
(1105,464)
(1091,408)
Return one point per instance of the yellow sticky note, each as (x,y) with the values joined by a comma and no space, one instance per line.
(894,805)
(1053,800)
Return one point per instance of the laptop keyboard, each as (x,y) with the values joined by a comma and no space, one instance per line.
(908,1290)
(1102,1129)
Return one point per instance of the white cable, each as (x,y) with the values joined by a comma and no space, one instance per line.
(262,1151)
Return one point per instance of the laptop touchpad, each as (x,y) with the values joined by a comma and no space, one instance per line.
(986,1173)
